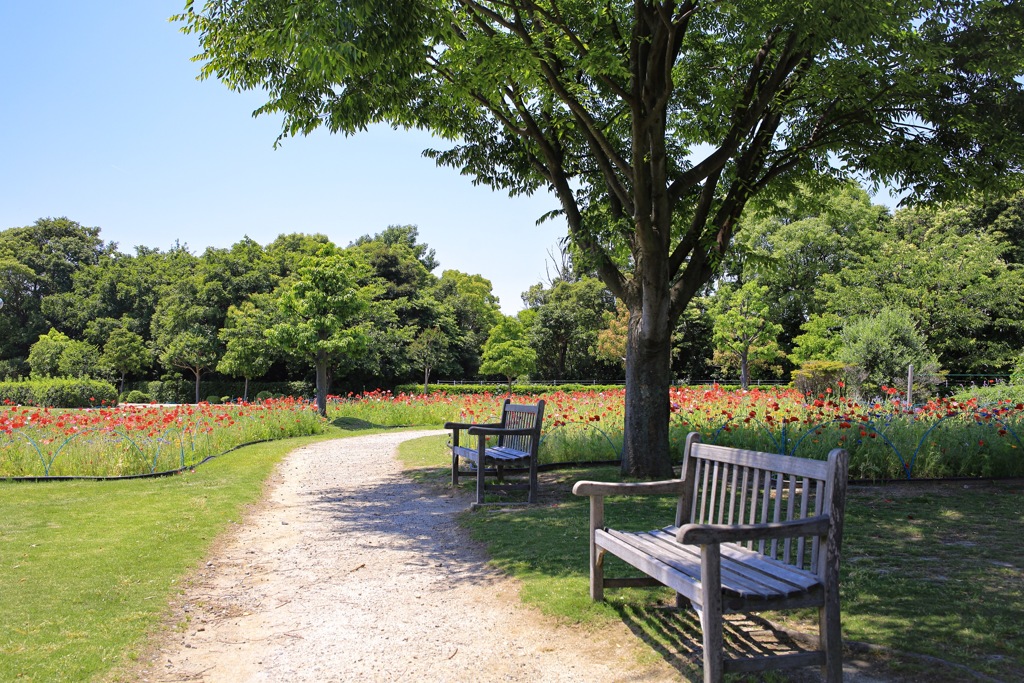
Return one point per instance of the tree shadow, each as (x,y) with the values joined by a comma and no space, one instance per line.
(410,517)
(354,424)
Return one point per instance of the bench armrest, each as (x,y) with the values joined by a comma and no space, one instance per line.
(703,534)
(496,430)
(466,425)
(670,487)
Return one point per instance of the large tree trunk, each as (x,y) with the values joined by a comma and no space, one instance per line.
(321,383)
(197,372)
(646,451)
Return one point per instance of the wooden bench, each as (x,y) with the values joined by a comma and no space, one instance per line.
(511,443)
(753,532)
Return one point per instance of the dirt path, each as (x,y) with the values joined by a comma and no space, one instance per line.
(351,572)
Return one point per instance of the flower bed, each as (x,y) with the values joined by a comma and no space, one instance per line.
(137,440)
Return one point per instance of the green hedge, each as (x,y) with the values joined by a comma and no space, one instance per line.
(184,391)
(59,393)
(522,389)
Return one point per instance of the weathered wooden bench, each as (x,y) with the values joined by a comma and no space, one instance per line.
(508,444)
(753,532)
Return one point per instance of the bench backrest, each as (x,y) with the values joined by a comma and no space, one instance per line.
(735,486)
(515,416)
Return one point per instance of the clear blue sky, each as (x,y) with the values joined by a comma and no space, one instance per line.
(103,122)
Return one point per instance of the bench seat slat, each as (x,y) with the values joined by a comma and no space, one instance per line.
(495,453)
(790,578)
(736,580)
(745,574)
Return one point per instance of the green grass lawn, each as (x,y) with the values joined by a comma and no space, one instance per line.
(933,569)
(87,568)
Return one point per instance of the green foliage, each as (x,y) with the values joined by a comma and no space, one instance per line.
(79,359)
(125,352)
(947,273)
(743,334)
(652,174)
(249,350)
(564,331)
(1017,375)
(878,349)
(136,396)
(820,339)
(429,350)
(59,393)
(44,356)
(814,377)
(318,311)
(507,353)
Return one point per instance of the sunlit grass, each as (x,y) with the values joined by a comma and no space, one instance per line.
(87,568)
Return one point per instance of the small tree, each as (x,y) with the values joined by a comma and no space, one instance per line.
(611,341)
(743,334)
(319,310)
(429,350)
(44,355)
(507,352)
(79,359)
(124,352)
(192,350)
(249,351)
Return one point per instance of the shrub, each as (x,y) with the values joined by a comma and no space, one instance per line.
(264,395)
(59,393)
(136,396)
(815,376)
(213,400)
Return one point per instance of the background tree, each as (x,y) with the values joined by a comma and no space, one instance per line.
(564,331)
(248,351)
(507,352)
(743,334)
(611,341)
(125,352)
(654,124)
(950,278)
(184,326)
(878,349)
(789,245)
(469,302)
(429,350)
(79,359)
(44,355)
(319,309)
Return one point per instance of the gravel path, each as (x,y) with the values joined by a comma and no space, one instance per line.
(351,572)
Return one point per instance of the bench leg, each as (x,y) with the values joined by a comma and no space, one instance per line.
(596,554)
(830,635)
(480,485)
(711,612)
(455,458)
(533,481)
